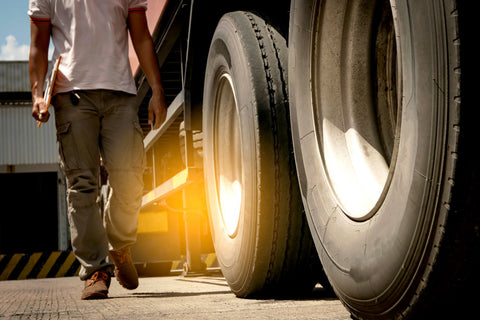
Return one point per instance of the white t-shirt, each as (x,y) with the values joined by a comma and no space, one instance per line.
(92,37)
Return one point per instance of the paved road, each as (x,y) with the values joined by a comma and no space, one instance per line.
(173,297)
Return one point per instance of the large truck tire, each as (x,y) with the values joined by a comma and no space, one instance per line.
(260,235)
(385,132)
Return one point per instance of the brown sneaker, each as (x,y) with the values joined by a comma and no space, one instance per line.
(125,271)
(96,287)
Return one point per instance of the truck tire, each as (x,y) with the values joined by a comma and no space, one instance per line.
(257,223)
(384,130)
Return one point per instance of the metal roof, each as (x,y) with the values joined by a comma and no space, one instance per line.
(14,76)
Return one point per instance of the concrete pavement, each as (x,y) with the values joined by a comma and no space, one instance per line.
(173,297)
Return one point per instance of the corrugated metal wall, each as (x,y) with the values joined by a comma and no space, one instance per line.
(22,142)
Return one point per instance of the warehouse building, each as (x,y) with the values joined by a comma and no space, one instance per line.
(33,211)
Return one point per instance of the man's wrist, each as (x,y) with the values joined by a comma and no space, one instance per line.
(36,98)
(157,89)
(37,91)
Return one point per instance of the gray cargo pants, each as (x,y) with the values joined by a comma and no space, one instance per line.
(100,123)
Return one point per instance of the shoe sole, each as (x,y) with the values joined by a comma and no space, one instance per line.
(95,296)
(129,287)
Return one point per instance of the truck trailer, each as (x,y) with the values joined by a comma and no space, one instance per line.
(317,141)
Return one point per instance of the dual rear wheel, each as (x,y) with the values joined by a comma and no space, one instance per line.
(382,128)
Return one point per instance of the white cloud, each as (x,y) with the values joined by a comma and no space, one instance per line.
(12,50)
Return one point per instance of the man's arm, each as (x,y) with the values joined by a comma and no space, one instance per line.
(38,66)
(143,45)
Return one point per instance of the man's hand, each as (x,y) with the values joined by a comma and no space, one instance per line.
(39,105)
(157,109)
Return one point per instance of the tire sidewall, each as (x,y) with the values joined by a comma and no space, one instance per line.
(371,262)
(235,253)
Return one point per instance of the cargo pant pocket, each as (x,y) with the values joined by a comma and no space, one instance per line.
(65,143)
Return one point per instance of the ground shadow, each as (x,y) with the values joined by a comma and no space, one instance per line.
(317,293)
(173,294)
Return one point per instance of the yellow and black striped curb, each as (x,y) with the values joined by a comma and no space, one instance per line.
(38,265)
(57,264)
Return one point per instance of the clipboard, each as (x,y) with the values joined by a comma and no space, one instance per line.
(50,85)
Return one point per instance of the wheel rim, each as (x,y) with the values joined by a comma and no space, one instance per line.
(355,91)
(228,168)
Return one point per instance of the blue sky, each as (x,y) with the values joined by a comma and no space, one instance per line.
(14,30)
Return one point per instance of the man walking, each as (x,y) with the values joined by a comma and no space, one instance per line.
(96,115)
